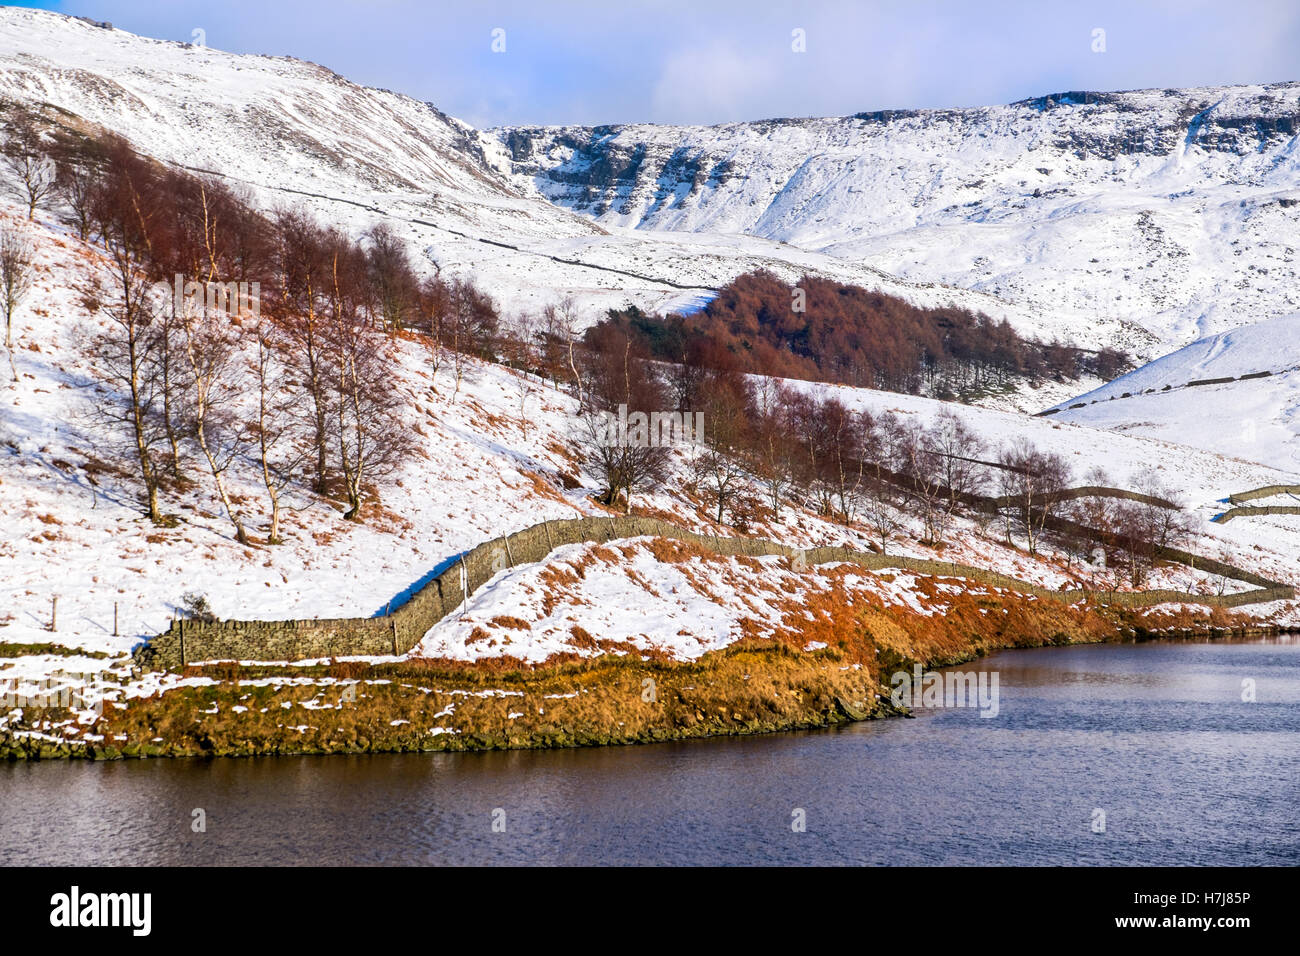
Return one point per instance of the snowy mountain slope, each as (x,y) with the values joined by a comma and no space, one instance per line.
(1270,346)
(73,526)
(486,463)
(74,529)
(1257,419)
(73,521)
(293,132)
(1173,209)
(480,470)
(1200,478)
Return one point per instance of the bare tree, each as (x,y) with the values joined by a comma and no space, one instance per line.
(923,467)
(215,379)
(1032,482)
(169,360)
(845,456)
(25,159)
(1170,526)
(718,461)
(958,447)
(370,435)
(16,271)
(771,447)
(559,335)
(1095,514)
(1136,536)
(1146,525)
(619,385)
(126,217)
(1096,511)
(435,304)
(281,448)
(472,324)
(76,166)
(883,448)
(519,350)
(625,467)
(303,271)
(394,288)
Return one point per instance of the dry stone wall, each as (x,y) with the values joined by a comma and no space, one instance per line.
(396,632)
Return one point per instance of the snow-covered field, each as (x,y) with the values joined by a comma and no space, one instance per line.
(630,596)
(1257,419)
(1201,478)
(75,531)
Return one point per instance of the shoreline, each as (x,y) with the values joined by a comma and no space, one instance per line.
(741,690)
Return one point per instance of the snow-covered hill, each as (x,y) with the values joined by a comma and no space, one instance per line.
(1254,417)
(297,133)
(1176,210)
(74,528)
(294,132)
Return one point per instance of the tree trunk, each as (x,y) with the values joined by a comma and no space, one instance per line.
(274,536)
(218,478)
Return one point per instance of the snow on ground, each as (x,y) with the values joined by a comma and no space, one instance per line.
(1202,479)
(1256,420)
(638,595)
(77,532)
(1269,346)
(294,132)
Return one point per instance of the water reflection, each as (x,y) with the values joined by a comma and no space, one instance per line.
(1156,734)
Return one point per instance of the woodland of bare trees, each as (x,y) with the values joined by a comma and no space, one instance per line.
(230,338)
(874,470)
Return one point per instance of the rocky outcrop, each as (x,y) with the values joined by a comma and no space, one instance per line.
(644,171)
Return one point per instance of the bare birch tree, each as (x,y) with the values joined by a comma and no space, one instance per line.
(16,273)
(30,169)
(282,450)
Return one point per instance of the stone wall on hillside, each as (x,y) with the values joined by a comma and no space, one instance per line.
(399,630)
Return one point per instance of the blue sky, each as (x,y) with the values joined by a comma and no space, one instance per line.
(710,61)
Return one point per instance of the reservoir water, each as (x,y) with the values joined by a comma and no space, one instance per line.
(1155,736)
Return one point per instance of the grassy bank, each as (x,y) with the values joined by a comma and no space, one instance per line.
(753,686)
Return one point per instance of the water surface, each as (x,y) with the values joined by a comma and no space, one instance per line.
(1156,735)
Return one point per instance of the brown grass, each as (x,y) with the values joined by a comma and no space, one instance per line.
(514,623)
(738,690)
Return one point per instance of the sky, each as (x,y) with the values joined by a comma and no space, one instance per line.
(711,61)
